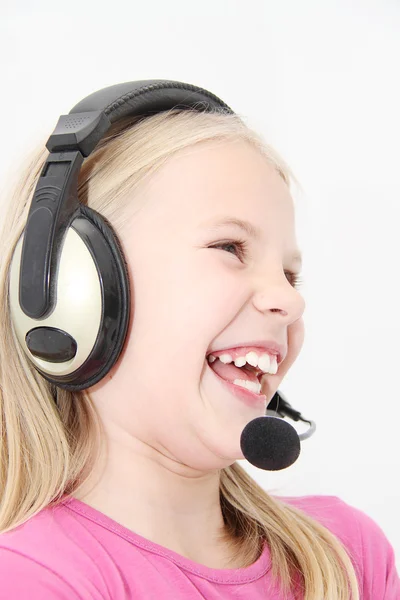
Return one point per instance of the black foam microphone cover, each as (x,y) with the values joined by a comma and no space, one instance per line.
(270,443)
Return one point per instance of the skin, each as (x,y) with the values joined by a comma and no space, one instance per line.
(170,424)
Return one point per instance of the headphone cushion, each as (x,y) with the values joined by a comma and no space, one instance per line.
(112,268)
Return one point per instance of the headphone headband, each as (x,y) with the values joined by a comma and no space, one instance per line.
(94,114)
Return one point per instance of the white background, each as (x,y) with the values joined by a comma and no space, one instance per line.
(320,81)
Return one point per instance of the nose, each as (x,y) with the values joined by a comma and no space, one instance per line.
(275,293)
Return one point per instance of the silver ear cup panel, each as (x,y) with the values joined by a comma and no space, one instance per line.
(92,304)
(77,309)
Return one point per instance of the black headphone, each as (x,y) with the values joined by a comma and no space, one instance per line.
(69,286)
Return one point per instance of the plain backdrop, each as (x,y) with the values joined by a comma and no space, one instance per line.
(320,81)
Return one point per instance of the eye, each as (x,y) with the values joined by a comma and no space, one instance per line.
(296,280)
(240,245)
(241,251)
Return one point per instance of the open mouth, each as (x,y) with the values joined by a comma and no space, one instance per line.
(243,382)
(230,371)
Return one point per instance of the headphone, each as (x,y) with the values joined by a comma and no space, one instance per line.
(69,285)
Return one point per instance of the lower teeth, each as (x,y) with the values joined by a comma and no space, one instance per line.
(250,385)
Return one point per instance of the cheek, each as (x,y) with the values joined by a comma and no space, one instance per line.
(219,285)
(180,309)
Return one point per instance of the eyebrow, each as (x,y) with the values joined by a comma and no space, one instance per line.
(252,230)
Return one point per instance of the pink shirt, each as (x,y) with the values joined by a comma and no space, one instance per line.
(73,552)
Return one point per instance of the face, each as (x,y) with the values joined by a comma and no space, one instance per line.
(190,297)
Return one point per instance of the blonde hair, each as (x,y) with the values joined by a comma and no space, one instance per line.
(50,437)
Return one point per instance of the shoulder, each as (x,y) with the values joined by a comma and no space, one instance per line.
(363,538)
(51,552)
(24,576)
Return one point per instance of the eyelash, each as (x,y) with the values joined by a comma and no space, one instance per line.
(243,247)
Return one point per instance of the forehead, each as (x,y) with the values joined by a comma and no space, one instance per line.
(218,184)
(215,174)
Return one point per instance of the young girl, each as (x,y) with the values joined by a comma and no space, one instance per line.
(130,489)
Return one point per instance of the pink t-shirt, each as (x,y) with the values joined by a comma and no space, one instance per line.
(73,551)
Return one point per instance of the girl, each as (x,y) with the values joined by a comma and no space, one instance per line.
(130,488)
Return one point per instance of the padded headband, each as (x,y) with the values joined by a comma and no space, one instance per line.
(102,108)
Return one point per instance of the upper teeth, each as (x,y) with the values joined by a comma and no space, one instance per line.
(265,362)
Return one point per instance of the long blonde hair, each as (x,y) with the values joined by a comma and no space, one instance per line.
(50,437)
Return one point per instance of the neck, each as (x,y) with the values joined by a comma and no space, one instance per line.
(162,500)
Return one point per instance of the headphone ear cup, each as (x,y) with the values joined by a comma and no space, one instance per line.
(112,269)
(108,257)
(78,343)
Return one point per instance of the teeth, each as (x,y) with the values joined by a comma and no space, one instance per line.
(265,362)
(225,358)
(250,385)
(252,358)
(240,361)
(274,366)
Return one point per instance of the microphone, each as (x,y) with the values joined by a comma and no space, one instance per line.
(269,442)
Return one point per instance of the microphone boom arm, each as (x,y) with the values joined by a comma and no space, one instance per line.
(280,406)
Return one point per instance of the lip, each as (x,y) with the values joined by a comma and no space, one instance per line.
(268,345)
(245,395)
